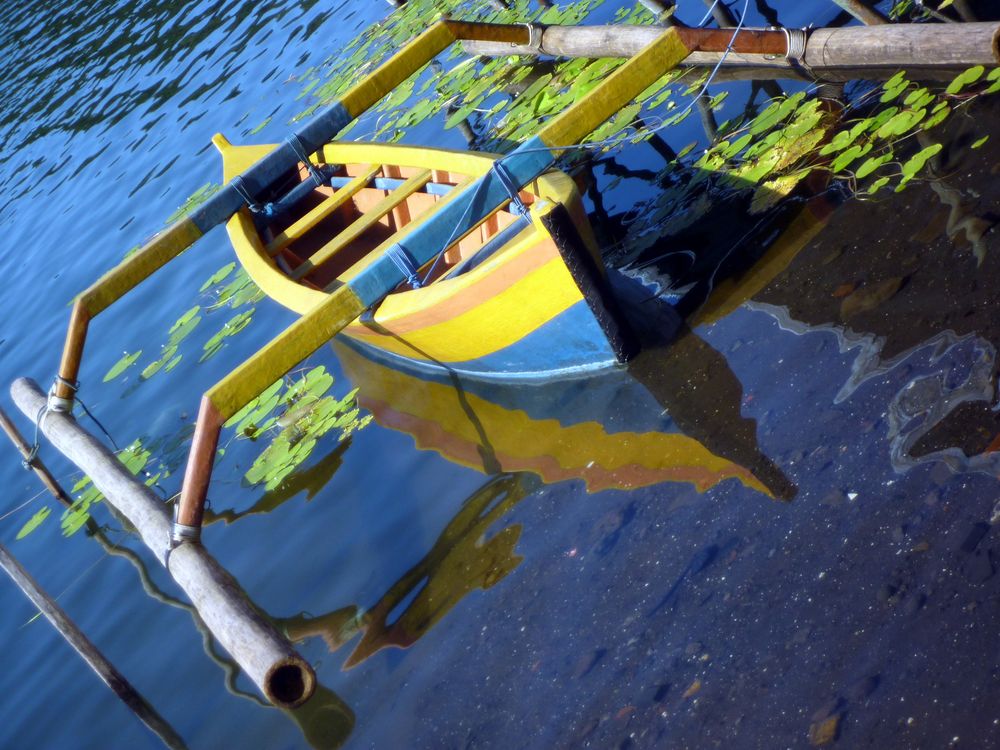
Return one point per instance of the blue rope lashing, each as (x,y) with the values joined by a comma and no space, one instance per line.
(319,177)
(512,188)
(405,262)
(241,188)
(300,152)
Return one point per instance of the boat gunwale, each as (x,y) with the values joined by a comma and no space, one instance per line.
(554,186)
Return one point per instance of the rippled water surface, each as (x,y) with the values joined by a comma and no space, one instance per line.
(774,529)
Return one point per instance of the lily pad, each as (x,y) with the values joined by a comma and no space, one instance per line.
(122,365)
(34,522)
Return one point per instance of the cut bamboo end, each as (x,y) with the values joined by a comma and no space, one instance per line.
(289,683)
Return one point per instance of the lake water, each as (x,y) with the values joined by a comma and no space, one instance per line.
(604,563)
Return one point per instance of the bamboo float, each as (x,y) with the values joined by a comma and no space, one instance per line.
(925,50)
(284,677)
(94,658)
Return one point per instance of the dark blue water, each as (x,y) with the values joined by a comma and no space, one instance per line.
(491,601)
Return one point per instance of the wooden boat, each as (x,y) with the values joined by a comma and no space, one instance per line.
(490,305)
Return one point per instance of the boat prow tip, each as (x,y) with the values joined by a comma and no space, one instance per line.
(221,142)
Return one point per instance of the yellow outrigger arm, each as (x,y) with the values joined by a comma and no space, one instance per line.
(424,238)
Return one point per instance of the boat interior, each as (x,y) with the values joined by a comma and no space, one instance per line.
(332,230)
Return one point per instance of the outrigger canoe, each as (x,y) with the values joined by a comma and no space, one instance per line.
(490,305)
(488,331)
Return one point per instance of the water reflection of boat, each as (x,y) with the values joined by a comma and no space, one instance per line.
(610,430)
(464,557)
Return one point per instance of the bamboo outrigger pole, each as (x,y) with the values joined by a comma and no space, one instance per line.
(264,654)
(828,54)
(456,215)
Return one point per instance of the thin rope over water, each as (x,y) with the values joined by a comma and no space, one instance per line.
(28,462)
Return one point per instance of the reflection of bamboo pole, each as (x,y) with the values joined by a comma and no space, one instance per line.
(97,661)
(863,12)
(722,15)
(265,655)
(704,105)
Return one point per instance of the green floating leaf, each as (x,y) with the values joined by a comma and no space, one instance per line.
(233,326)
(154,367)
(33,523)
(980,142)
(254,404)
(901,123)
(134,457)
(76,515)
(894,87)
(916,162)
(238,292)
(122,365)
(938,115)
(687,149)
(871,164)
(849,156)
(218,276)
(198,197)
(965,78)
(878,184)
(260,127)
(185,319)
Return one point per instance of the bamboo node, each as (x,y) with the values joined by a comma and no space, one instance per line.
(535,32)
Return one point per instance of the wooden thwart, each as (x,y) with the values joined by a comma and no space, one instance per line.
(264,654)
(322,211)
(363,223)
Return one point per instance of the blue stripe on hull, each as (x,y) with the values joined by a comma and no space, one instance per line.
(571,343)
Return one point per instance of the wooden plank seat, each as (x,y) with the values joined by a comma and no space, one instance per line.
(362,224)
(305,224)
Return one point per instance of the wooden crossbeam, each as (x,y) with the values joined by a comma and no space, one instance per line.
(322,211)
(363,224)
(367,260)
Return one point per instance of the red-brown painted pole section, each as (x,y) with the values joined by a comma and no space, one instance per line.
(72,355)
(746,42)
(198,473)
